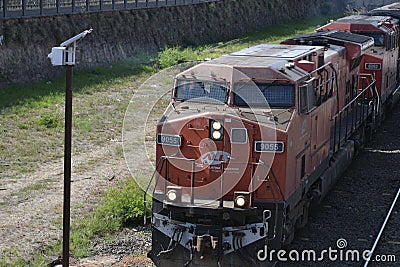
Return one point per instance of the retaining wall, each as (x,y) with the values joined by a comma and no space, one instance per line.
(121,34)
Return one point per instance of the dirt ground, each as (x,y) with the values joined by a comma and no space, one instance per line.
(30,220)
(115,261)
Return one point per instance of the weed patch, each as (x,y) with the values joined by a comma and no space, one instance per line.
(273,34)
(49,121)
(172,56)
(120,207)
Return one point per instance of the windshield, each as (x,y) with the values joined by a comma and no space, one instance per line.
(379,39)
(276,95)
(201,90)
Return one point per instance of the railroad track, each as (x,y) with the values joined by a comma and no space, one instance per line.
(351,216)
(387,238)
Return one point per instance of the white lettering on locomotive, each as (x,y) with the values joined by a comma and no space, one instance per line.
(214,157)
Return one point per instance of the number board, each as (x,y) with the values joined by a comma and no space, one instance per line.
(169,140)
(373,66)
(269,146)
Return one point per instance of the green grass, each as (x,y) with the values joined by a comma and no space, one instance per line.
(40,185)
(44,94)
(120,207)
(174,55)
(32,115)
(12,259)
(31,124)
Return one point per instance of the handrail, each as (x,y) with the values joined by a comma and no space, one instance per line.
(147,189)
(320,68)
(330,77)
(351,108)
(11,9)
(162,160)
(355,99)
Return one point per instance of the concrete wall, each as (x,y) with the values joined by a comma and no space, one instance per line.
(118,35)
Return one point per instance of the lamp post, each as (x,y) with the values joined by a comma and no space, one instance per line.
(64,55)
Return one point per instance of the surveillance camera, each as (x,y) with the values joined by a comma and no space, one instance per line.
(65,53)
(75,38)
(57,56)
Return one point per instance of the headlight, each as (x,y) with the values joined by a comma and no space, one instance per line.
(216,135)
(216,130)
(172,195)
(216,125)
(242,199)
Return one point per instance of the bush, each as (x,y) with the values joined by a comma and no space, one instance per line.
(174,55)
(120,207)
(124,206)
(49,121)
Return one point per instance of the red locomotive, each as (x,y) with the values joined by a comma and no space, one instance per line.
(382,60)
(251,139)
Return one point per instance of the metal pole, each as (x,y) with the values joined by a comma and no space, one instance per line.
(5,4)
(23,7)
(192,184)
(64,55)
(67,163)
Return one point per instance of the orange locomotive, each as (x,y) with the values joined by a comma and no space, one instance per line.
(249,141)
(382,60)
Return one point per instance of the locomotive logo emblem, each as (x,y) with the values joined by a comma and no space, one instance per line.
(215,157)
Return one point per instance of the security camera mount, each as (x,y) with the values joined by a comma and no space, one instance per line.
(65,53)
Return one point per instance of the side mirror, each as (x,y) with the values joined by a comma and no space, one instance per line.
(307,97)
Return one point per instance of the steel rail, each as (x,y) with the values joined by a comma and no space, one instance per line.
(382,228)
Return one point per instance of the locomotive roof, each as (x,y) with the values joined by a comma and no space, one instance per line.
(290,52)
(272,56)
(336,38)
(249,61)
(266,55)
(362,23)
(364,19)
(392,10)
